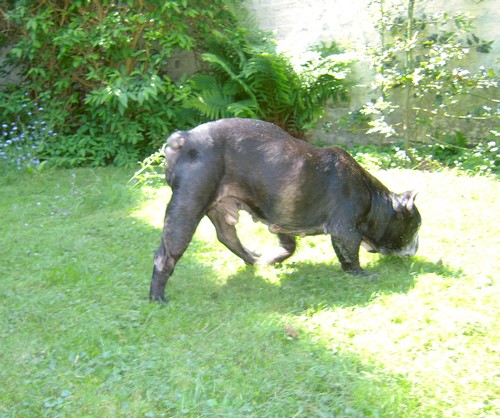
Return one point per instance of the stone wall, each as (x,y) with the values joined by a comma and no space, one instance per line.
(8,73)
(299,23)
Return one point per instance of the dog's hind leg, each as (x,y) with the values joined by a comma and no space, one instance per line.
(226,233)
(285,250)
(181,221)
(189,203)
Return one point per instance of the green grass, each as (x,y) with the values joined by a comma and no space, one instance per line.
(78,335)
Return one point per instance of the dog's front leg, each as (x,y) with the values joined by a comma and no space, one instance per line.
(346,242)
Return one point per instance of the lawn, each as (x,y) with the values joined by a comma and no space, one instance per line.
(78,335)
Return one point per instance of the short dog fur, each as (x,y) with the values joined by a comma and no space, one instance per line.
(222,167)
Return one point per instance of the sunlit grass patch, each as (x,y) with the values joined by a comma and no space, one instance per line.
(79,336)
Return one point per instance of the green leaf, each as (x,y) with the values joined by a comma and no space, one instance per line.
(123,101)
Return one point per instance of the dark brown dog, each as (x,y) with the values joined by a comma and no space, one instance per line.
(222,167)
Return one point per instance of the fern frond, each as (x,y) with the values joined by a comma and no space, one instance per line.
(200,82)
(243,109)
(224,65)
(211,103)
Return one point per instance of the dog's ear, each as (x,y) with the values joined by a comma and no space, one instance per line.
(409,199)
(176,141)
(405,200)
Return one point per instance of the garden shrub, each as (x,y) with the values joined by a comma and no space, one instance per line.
(426,87)
(481,159)
(253,80)
(96,91)
(98,69)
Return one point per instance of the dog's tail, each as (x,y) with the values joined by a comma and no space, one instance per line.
(176,141)
(172,151)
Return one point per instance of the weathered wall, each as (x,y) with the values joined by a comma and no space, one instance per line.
(8,73)
(299,23)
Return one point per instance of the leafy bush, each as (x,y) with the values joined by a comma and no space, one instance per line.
(253,80)
(99,69)
(422,78)
(481,159)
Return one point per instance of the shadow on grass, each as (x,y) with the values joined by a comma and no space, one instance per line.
(234,326)
(415,266)
(308,285)
(78,322)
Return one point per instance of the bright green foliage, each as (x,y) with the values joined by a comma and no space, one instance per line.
(255,81)
(425,82)
(482,159)
(98,68)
